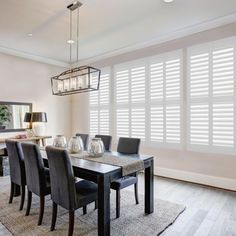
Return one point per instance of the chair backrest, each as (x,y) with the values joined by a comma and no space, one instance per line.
(34,168)
(62,178)
(128,145)
(16,162)
(84,138)
(106,141)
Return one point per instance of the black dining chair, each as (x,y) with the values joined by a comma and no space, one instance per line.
(126,146)
(84,138)
(17,169)
(65,191)
(106,139)
(37,177)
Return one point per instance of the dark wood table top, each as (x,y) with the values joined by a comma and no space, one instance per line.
(97,167)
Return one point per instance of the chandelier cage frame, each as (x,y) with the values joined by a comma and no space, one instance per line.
(79,79)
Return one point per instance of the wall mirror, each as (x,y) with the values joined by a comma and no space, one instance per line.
(12,116)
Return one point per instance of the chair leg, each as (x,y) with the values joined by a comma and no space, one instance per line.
(22,197)
(136,193)
(96,204)
(117,203)
(71,222)
(29,203)
(84,210)
(42,203)
(11,193)
(54,216)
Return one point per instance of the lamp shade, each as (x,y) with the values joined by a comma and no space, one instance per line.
(39,117)
(27,118)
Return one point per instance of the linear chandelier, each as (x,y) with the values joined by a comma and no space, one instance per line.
(76,79)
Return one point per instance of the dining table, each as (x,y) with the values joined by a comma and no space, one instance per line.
(103,174)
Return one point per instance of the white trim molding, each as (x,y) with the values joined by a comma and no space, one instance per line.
(214,181)
(180,33)
(29,56)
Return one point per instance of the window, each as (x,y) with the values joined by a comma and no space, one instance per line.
(100,106)
(211,96)
(130,82)
(148,99)
(166,99)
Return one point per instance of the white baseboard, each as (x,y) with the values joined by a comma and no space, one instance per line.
(214,181)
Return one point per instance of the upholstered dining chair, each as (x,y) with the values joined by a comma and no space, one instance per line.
(126,146)
(37,177)
(65,191)
(17,169)
(106,139)
(84,138)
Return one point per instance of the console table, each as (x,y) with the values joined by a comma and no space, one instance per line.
(4,166)
(36,139)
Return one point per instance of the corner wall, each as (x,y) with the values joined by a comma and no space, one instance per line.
(23,80)
(211,169)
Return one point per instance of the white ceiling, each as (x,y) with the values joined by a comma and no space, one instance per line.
(105,25)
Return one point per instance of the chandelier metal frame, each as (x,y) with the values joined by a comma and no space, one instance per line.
(78,79)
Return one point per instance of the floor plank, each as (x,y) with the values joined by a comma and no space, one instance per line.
(209,211)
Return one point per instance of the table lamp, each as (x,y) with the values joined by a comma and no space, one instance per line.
(27,119)
(39,119)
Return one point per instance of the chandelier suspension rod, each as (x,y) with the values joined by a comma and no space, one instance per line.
(70,38)
(77,40)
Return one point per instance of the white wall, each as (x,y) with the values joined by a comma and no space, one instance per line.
(212,169)
(23,80)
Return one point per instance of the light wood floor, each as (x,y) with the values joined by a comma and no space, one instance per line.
(209,211)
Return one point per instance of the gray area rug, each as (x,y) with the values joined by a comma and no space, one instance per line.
(132,221)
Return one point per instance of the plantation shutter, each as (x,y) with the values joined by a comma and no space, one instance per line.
(165,99)
(211,97)
(130,96)
(100,106)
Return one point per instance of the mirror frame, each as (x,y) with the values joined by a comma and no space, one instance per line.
(15,103)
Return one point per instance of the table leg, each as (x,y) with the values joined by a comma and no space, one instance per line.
(149,194)
(37,141)
(1,166)
(103,205)
(16,190)
(43,142)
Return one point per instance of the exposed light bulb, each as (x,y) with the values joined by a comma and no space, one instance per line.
(168,1)
(73,83)
(60,86)
(66,85)
(70,41)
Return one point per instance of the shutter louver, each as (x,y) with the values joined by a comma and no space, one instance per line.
(93,122)
(172,74)
(199,124)
(199,75)
(104,122)
(223,72)
(173,124)
(223,124)
(122,86)
(104,89)
(156,81)
(122,122)
(138,84)
(157,124)
(93,96)
(138,123)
